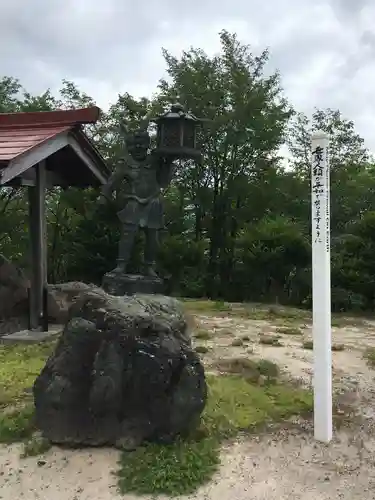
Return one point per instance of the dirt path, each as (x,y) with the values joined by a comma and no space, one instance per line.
(288,464)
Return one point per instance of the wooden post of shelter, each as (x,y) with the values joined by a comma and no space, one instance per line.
(40,150)
(38,243)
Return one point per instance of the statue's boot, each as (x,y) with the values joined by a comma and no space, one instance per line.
(151,248)
(120,267)
(149,270)
(125,248)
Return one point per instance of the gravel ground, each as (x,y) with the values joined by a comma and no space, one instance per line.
(282,464)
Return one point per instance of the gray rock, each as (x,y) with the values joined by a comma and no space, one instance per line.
(13,289)
(123,372)
(61,296)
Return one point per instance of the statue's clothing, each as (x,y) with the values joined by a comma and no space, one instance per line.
(140,194)
(144,215)
(138,186)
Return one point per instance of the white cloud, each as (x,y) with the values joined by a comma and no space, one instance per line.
(325,50)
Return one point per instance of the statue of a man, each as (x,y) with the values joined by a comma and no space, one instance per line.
(138,180)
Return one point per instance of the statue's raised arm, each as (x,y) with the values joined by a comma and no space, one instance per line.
(122,169)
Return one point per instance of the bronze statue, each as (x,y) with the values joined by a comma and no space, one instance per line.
(138,181)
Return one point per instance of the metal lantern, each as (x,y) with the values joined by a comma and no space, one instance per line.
(177,134)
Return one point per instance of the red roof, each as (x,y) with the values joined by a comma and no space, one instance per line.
(21,132)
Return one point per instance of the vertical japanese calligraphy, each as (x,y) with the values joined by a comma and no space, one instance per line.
(318,191)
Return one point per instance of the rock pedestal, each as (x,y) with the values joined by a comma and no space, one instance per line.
(129,284)
(122,372)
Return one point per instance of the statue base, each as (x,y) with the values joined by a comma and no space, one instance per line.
(129,284)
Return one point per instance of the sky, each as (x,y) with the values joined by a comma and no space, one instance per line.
(324,49)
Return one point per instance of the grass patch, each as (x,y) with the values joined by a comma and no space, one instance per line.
(233,406)
(237,342)
(275,314)
(202,335)
(250,369)
(289,330)
(17,424)
(35,446)
(201,349)
(308,344)
(369,356)
(259,312)
(19,366)
(338,347)
(207,306)
(272,340)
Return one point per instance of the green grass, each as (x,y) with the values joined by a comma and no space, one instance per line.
(19,366)
(272,340)
(234,406)
(289,330)
(206,306)
(237,342)
(338,347)
(250,369)
(369,355)
(17,424)
(201,349)
(202,335)
(308,344)
(278,315)
(36,445)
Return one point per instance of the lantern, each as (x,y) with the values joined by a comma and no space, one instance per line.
(177,134)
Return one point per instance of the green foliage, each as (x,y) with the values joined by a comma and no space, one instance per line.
(238,223)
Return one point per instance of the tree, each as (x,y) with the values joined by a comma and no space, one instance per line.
(352,179)
(248,118)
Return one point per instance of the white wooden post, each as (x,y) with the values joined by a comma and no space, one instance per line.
(321,286)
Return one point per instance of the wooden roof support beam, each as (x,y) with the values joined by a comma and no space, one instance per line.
(38,243)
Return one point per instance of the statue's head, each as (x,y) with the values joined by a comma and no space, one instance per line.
(138,144)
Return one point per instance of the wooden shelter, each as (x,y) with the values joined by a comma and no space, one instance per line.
(41,150)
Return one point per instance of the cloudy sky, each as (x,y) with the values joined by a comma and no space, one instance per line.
(324,49)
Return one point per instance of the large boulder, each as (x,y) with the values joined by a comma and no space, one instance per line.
(61,296)
(122,372)
(13,289)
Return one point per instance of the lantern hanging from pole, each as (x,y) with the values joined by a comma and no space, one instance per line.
(177,134)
